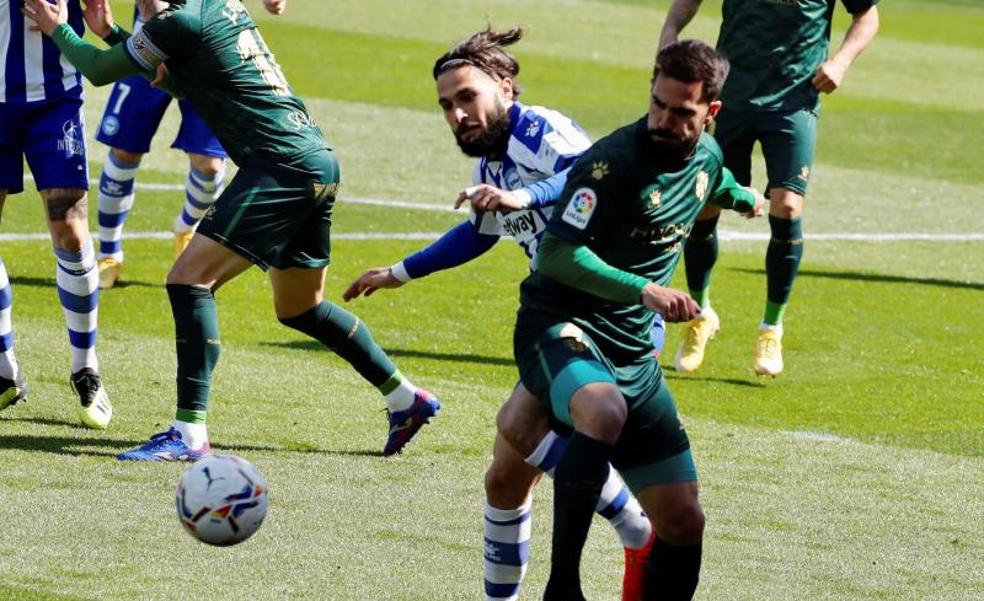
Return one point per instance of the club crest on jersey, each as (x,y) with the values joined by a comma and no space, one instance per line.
(581,207)
(533,129)
(701,188)
(655,196)
(805,173)
(599,170)
(513,181)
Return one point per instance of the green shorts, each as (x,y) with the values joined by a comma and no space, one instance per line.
(788,140)
(557,359)
(276,214)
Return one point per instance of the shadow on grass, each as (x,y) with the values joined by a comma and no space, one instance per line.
(65,445)
(50,283)
(236,448)
(670,374)
(311,345)
(874,277)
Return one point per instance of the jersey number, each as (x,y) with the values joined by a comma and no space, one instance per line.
(253,48)
(123,91)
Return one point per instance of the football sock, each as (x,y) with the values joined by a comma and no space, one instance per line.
(77,280)
(782,261)
(8,364)
(673,572)
(615,503)
(507,550)
(193,434)
(115,201)
(578,481)
(198,345)
(398,392)
(348,337)
(201,191)
(700,252)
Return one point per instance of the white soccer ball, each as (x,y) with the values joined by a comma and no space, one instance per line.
(221,500)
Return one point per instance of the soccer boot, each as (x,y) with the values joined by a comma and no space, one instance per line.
(166,446)
(95,410)
(181,241)
(634,576)
(109,272)
(768,353)
(12,391)
(695,337)
(404,424)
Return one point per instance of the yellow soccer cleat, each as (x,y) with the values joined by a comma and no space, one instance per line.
(95,410)
(181,241)
(695,337)
(768,353)
(109,272)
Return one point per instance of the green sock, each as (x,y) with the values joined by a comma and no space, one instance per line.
(773,313)
(702,297)
(350,339)
(198,345)
(700,253)
(782,260)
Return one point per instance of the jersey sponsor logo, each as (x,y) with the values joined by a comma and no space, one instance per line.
(71,143)
(521,225)
(701,188)
(299,120)
(581,207)
(599,170)
(110,125)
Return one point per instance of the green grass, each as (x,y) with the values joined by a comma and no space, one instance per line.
(856,475)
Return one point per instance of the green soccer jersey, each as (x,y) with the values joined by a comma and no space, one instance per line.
(634,209)
(217,59)
(775,48)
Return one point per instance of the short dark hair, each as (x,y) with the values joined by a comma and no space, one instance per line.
(484,51)
(690,61)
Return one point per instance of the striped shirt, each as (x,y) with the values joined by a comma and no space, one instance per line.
(31,67)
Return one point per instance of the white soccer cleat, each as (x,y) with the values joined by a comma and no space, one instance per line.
(768,353)
(690,356)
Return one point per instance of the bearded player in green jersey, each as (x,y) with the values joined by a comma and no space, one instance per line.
(779,66)
(582,340)
(276,212)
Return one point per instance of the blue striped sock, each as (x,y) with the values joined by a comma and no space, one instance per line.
(8,364)
(201,191)
(507,550)
(616,504)
(115,201)
(78,289)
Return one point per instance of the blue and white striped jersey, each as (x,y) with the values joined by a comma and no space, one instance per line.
(542,144)
(31,67)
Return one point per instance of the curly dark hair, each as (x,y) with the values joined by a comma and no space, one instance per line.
(484,51)
(692,60)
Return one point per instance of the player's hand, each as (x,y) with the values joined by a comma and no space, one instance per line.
(161,77)
(371,281)
(674,305)
(829,76)
(148,9)
(275,7)
(46,16)
(759,209)
(98,17)
(485,198)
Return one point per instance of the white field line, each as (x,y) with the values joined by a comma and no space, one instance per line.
(726,235)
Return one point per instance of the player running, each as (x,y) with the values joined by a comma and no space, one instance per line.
(41,120)
(130,120)
(778,54)
(523,154)
(582,333)
(276,212)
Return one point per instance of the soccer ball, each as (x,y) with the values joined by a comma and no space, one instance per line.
(221,500)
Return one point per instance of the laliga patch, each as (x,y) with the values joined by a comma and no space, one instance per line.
(581,207)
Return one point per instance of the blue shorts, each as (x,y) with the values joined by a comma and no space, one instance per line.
(134,112)
(51,135)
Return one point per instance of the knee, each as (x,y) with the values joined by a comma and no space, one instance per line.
(206,165)
(683,525)
(126,157)
(785,204)
(599,411)
(505,489)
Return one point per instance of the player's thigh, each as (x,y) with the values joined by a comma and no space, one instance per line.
(522,421)
(654,448)
(555,361)
(206,263)
(296,290)
(194,136)
(734,132)
(132,115)
(277,215)
(55,145)
(789,144)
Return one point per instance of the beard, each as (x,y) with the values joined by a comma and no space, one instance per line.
(673,146)
(490,142)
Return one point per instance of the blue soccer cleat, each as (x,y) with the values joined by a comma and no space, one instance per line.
(405,424)
(165,446)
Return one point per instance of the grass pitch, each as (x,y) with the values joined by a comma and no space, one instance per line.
(856,475)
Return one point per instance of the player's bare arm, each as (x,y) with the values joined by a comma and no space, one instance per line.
(864,26)
(371,281)
(679,16)
(485,198)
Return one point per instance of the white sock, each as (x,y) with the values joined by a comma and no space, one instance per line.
(115,201)
(201,191)
(402,396)
(768,326)
(77,280)
(8,364)
(507,550)
(193,435)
